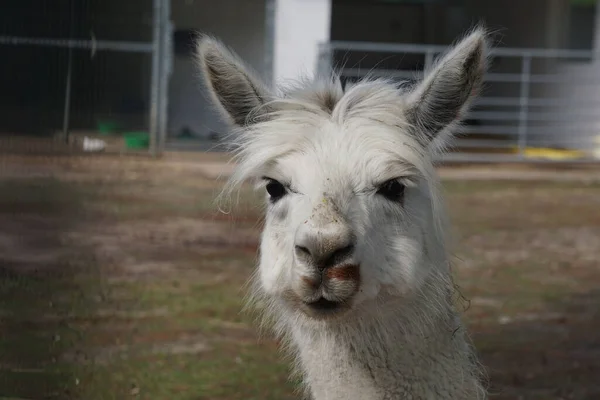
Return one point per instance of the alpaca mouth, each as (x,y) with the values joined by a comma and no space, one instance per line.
(324,305)
(323,308)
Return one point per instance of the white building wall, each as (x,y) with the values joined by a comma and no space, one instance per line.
(300,26)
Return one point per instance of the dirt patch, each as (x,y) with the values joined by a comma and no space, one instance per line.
(105,355)
(573,246)
(148,248)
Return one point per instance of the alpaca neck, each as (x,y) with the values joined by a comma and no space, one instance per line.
(386,356)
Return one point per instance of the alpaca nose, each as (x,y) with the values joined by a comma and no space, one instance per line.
(324,246)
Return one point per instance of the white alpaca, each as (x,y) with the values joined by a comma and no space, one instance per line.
(353,269)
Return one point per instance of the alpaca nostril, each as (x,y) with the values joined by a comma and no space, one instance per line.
(339,256)
(301,250)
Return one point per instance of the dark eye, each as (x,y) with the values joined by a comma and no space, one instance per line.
(276,190)
(392,190)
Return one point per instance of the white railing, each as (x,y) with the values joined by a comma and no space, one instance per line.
(558,121)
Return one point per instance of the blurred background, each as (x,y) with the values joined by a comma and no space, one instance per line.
(121,278)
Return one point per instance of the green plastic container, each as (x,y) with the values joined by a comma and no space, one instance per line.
(107,127)
(137,140)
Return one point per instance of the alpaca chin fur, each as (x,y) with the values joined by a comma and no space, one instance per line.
(402,337)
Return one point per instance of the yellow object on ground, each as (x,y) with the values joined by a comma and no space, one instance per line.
(552,154)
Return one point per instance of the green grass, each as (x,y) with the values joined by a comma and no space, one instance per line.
(235,359)
(228,372)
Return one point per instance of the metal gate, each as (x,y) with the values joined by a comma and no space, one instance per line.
(538,104)
(85,65)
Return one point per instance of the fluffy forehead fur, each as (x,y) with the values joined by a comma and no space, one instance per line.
(362,129)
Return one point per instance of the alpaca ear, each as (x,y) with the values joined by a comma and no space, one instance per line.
(445,94)
(232,85)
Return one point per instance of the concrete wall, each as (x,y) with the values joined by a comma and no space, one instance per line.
(241,26)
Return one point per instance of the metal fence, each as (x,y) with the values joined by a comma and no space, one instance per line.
(537,104)
(89,66)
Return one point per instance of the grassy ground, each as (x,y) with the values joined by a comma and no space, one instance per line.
(120,279)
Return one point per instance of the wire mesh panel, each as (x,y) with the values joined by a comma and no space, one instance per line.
(76,69)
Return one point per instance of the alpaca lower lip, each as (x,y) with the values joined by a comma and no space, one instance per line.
(322,305)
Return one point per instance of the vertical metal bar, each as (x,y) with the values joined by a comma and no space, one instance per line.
(321,61)
(324,61)
(166,57)
(524,102)
(428,60)
(270,10)
(155,78)
(596,39)
(67,107)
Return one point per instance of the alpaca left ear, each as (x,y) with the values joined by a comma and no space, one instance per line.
(233,86)
(443,97)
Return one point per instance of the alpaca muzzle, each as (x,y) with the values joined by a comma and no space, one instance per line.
(328,292)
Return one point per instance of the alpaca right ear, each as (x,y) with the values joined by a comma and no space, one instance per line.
(233,86)
(443,97)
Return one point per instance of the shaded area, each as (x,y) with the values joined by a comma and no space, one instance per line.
(39,285)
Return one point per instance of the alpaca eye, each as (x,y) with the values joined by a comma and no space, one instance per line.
(276,190)
(392,190)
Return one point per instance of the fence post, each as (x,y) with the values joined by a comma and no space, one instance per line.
(270,10)
(166,60)
(428,61)
(155,87)
(524,102)
(67,106)
(324,61)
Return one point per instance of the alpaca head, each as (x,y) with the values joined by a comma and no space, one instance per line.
(351,205)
